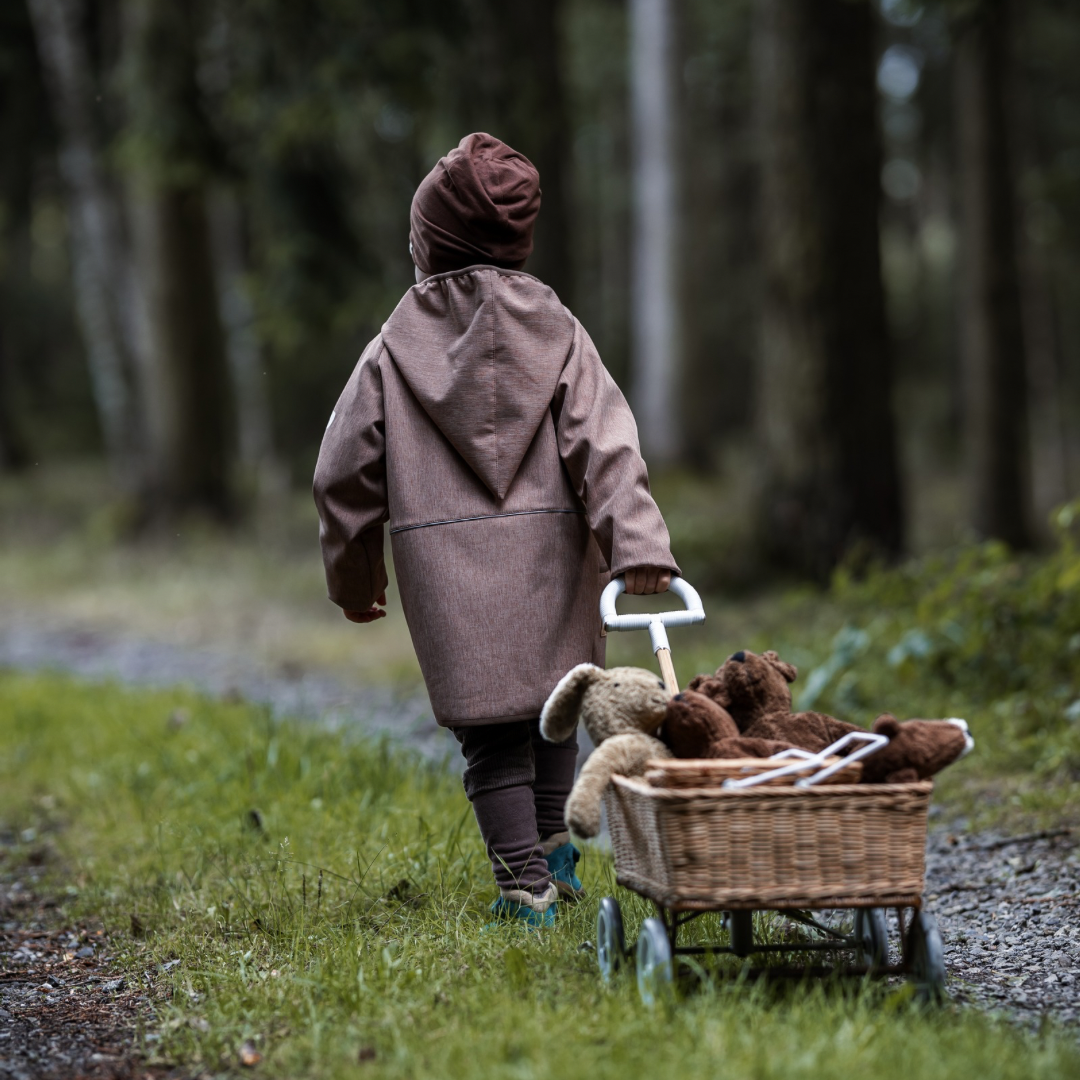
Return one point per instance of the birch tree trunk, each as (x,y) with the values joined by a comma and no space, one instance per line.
(101,283)
(991,328)
(829,475)
(655,348)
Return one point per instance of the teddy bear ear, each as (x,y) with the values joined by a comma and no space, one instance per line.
(559,717)
(789,671)
(886,724)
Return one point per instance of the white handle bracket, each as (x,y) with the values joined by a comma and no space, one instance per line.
(656,623)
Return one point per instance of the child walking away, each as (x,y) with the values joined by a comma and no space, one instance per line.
(482,427)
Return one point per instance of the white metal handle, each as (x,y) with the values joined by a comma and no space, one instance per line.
(654,622)
(871,741)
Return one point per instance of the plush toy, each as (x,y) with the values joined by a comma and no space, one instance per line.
(697,727)
(754,690)
(753,693)
(621,708)
(917,749)
(749,686)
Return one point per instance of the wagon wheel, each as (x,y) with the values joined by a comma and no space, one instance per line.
(610,940)
(654,967)
(927,957)
(872,937)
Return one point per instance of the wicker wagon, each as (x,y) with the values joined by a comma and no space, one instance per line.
(690,844)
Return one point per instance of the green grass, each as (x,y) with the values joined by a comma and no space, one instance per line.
(342,921)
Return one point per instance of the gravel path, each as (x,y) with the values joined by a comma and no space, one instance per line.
(98,656)
(1008,911)
(1007,906)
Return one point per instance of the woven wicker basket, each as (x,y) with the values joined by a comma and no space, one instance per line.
(844,845)
(712,772)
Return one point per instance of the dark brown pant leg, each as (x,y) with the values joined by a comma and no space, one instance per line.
(555,767)
(499,774)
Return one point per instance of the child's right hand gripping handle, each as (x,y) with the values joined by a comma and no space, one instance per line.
(656,623)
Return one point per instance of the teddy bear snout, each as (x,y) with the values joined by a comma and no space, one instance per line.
(739,657)
(969,742)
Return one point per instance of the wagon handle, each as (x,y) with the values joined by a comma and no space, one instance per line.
(656,623)
(871,741)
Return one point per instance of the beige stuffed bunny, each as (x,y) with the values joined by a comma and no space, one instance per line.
(621,709)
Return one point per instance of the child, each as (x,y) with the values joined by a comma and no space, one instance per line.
(482,426)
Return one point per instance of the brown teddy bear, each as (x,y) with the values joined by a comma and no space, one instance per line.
(697,727)
(917,749)
(755,692)
(621,708)
(749,686)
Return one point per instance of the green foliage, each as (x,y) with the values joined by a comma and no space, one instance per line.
(325,897)
(979,632)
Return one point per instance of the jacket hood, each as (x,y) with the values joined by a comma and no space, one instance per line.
(482,350)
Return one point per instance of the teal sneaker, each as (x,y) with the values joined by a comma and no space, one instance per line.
(562,861)
(521,906)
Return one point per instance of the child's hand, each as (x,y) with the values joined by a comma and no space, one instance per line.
(647,579)
(372,612)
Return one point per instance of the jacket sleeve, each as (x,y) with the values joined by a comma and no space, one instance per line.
(598,443)
(350,489)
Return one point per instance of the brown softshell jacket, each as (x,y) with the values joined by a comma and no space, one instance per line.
(482,425)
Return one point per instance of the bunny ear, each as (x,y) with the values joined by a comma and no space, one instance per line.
(559,717)
(789,671)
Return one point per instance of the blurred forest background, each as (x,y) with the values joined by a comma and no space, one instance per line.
(830,248)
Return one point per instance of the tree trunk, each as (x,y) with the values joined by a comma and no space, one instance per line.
(185,382)
(97,254)
(246,364)
(13,453)
(991,329)
(518,64)
(655,351)
(830,478)
(186,386)
(1051,478)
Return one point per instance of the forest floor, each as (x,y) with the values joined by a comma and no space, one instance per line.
(242,624)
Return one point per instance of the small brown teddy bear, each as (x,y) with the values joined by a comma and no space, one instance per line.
(917,749)
(697,727)
(621,709)
(754,690)
(749,686)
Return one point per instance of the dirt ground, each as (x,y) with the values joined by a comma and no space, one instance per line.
(65,1009)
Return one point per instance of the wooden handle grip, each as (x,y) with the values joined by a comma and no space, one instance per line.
(667,670)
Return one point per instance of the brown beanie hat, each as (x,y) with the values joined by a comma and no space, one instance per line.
(478,205)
